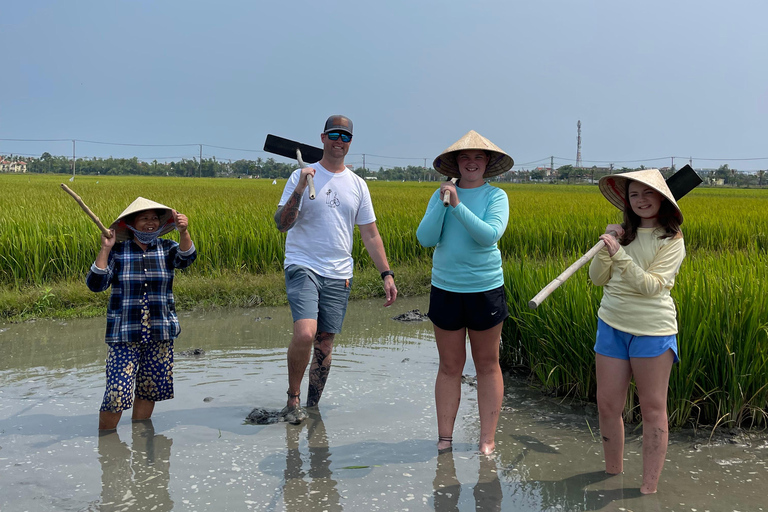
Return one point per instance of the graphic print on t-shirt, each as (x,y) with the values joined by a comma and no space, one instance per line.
(332,202)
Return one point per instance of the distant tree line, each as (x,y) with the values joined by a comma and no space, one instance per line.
(207,167)
(269,168)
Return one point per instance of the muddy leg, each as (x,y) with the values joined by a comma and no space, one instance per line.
(490,383)
(109,420)
(613,377)
(652,379)
(321,365)
(298,357)
(142,409)
(451,347)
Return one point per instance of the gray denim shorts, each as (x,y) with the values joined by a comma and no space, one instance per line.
(317,298)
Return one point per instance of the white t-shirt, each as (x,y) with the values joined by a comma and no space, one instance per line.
(321,238)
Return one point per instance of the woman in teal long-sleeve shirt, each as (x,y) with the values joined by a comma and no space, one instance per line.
(467,296)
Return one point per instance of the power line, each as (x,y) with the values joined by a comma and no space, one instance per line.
(125,144)
(619,161)
(532,162)
(721,159)
(391,157)
(133,145)
(37,140)
(235,149)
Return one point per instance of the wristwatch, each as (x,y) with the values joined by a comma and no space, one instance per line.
(387,273)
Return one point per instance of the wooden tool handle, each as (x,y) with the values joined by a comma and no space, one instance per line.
(310,178)
(447,195)
(87,210)
(311,185)
(556,282)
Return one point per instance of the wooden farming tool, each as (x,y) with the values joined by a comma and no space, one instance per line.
(87,210)
(680,183)
(447,195)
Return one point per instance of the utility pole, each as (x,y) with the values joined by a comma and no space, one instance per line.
(551,165)
(578,145)
(200,163)
(74,160)
(363,165)
(673,165)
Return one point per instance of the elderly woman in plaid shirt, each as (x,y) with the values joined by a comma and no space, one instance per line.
(141,317)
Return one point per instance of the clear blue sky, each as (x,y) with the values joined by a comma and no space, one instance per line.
(647,79)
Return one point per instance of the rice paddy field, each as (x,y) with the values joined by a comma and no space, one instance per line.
(722,377)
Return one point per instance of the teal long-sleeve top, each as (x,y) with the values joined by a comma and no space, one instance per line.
(466,259)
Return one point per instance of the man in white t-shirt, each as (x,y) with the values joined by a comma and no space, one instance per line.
(318,258)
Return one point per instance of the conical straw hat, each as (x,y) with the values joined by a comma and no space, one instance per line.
(122,232)
(614,186)
(499,163)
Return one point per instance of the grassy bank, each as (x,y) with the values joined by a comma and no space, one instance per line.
(71,298)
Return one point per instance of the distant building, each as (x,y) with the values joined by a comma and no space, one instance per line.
(371,178)
(12,166)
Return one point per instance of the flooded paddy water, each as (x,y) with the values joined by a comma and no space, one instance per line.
(369,446)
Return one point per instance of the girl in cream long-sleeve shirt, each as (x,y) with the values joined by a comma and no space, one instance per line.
(638,279)
(637,321)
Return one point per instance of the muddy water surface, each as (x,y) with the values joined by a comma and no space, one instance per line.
(369,446)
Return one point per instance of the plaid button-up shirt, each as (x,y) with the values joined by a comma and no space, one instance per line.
(131,272)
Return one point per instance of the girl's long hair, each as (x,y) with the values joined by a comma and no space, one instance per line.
(667,218)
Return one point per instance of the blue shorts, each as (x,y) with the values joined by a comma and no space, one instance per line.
(315,297)
(612,342)
(147,367)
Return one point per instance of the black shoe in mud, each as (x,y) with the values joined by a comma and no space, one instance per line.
(262,416)
(293,414)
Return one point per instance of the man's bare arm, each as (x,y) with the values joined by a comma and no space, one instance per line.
(375,247)
(286,215)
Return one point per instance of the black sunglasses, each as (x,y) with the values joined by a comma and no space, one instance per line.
(335,136)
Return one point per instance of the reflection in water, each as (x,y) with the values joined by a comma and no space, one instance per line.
(319,492)
(447,488)
(570,493)
(487,492)
(135,478)
(376,416)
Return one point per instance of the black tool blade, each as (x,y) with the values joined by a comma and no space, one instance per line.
(287,148)
(683,181)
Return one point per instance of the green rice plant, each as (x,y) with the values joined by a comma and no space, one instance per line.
(723,317)
(545,219)
(723,336)
(44,236)
(555,340)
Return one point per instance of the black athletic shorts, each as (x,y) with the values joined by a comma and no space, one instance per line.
(477,311)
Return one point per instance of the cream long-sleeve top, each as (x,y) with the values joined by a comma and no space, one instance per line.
(637,281)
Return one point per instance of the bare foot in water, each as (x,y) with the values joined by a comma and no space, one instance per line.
(487,448)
